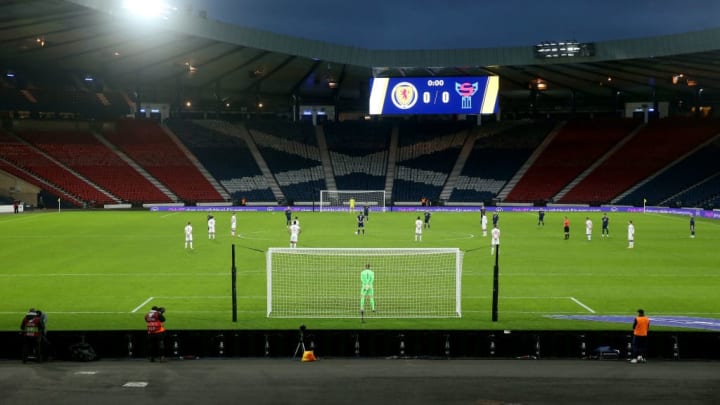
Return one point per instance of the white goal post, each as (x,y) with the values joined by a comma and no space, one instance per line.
(325,282)
(339,200)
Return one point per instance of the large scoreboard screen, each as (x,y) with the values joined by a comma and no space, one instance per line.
(434,95)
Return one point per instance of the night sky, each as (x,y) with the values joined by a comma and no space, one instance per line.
(424,24)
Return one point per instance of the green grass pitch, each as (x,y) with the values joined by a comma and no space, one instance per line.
(104,270)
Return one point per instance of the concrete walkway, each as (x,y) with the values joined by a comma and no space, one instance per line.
(360,381)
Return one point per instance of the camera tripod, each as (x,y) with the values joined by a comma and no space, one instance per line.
(300,346)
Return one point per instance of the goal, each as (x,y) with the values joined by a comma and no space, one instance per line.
(339,200)
(325,282)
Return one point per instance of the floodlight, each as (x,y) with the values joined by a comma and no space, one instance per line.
(563,49)
(148,8)
(191,69)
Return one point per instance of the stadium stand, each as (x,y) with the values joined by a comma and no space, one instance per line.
(49,191)
(12,99)
(149,145)
(669,139)
(495,159)
(85,154)
(691,174)
(359,154)
(60,95)
(291,152)
(427,152)
(26,162)
(577,145)
(703,194)
(227,158)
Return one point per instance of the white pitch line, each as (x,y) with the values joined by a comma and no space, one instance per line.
(582,305)
(141,305)
(196,297)
(258,311)
(514,298)
(124,274)
(72,312)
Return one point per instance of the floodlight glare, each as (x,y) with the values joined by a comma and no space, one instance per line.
(148,8)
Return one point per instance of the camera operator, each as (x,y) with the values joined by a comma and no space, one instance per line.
(156,332)
(32,329)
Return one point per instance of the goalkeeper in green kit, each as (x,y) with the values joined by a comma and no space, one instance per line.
(367,277)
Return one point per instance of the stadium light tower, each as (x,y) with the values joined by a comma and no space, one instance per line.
(150,9)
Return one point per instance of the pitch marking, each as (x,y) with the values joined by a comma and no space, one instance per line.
(141,305)
(582,305)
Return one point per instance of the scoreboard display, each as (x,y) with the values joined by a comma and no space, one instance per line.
(434,95)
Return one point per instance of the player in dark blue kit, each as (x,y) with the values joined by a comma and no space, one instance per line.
(360,224)
(692,226)
(288,216)
(495,219)
(541,218)
(605,223)
(366,212)
(427,219)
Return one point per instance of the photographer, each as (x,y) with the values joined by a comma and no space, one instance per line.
(32,329)
(156,332)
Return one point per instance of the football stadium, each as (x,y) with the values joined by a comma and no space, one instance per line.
(175,186)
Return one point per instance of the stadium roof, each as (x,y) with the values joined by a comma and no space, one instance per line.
(189,55)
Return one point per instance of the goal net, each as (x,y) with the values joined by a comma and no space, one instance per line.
(325,283)
(339,200)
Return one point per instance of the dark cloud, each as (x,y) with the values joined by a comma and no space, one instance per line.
(425,24)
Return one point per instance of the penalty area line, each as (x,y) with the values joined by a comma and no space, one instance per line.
(170,214)
(142,305)
(582,305)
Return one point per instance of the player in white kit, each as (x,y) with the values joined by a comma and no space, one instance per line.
(588,228)
(418,229)
(631,235)
(211,227)
(294,231)
(495,239)
(188,235)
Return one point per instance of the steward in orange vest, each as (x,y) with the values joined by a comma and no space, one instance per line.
(640,337)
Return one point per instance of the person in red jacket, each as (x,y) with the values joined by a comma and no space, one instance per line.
(640,337)
(156,332)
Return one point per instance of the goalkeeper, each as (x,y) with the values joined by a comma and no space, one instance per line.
(367,277)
